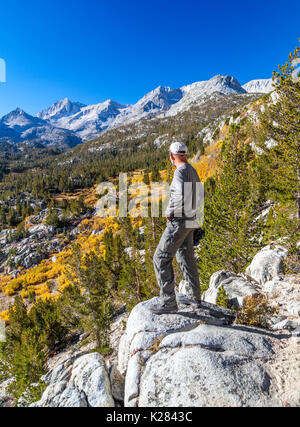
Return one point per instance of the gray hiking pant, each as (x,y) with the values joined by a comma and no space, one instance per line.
(176,240)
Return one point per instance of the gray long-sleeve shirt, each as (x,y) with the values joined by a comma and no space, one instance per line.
(186,193)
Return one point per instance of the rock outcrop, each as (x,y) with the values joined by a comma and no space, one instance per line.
(6,400)
(285,295)
(235,286)
(38,242)
(196,357)
(267,264)
(193,358)
(78,382)
(266,267)
(209,366)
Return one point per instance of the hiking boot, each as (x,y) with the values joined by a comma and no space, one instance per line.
(165,309)
(198,303)
(189,301)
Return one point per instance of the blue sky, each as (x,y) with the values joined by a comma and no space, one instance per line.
(90,51)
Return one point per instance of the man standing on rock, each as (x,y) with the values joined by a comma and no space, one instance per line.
(177,239)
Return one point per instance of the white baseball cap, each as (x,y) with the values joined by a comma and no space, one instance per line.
(179,148)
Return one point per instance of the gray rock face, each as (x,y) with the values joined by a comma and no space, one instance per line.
(185,289)
(287,324)
(5,399)
(195,376)
(143,320)
(267,264)
(285,294)
(117,383)
(193,358)
(236,288)
(40,240)
(79,382)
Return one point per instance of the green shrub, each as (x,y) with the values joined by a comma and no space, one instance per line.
(222,298)
(256,312)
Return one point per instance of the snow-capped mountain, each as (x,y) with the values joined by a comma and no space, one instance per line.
(160,99)
(68,123)
(259,86)
(63,108)
(91,120)
(197,92)
(18,120)
(18,126)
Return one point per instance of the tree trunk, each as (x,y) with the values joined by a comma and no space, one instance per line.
(138,287)
(153,229)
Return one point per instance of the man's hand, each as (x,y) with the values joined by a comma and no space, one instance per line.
(169,218)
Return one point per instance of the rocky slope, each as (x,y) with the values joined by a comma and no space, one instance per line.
(259,86)
(18,127)
(197,357)
(39,242)
(62,108)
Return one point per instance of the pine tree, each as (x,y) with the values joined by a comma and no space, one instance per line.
(137,280)
(281,125)
(113,258)
(155,175)
(89,298)
(146,178)
(12,218)
(229,216)
(23,355)
(53,218)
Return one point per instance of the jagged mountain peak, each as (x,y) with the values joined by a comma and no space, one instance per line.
(17,112)
(159,98)
(218,83)
(17,127)
(19,117)
(259,86)
(112,103)
(89,121)
(61,108)
(228,81)
(196,92)
(161,90)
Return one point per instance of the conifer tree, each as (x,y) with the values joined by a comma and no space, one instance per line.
(229,227)
(281,129)
(146,178)
(113,258)
(23,355)
(89,297)
(155,175)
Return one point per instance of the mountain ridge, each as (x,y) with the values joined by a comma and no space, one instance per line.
(259,86)
(18,127)
(85,122)
(61,108)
